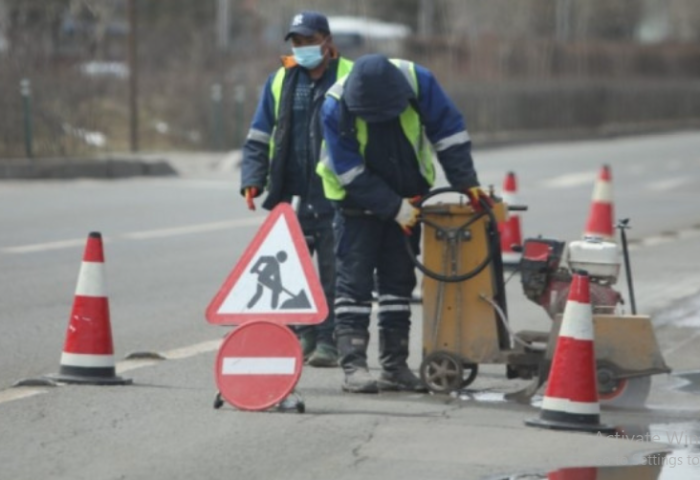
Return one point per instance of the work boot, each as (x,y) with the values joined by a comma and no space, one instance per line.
(393,353)
(352,348)
(325,355)
(307,339)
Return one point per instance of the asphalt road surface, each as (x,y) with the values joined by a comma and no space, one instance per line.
(169,244)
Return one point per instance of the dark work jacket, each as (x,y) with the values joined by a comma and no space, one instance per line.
(258,170)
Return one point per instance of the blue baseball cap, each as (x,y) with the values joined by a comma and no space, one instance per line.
(307,23)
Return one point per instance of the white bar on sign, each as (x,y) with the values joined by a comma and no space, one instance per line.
(258,366)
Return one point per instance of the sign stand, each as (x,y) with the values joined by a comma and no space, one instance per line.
(274,284)
(289,403)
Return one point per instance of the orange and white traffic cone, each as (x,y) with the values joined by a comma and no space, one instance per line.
(600,218)
(510,229)
(576,473)
(571,397)
(88,353)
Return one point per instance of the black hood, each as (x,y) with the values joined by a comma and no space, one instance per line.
(376,90)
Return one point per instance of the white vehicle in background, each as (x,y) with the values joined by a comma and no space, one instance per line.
(356,35)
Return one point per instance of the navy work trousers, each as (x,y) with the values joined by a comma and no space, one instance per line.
(366,244)
(319,228)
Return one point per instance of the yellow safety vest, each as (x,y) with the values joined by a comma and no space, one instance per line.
(410,124)
(343,68)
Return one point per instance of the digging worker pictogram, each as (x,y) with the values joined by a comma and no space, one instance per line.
(268,270)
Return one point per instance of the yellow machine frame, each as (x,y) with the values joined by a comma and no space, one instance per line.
(465,315)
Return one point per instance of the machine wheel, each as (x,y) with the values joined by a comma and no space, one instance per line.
(470,372)
(442,372)
(622,392)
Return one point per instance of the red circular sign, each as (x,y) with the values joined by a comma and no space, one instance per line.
(258,365)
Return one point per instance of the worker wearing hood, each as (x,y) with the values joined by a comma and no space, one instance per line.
(379,124)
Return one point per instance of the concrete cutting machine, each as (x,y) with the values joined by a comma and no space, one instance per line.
(465,315)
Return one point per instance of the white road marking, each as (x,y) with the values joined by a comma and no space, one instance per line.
(203,184)
(129,365)
(689,233)
(668,184)
(571,180)
(40,247)
(657,240)
(176,354)
(192,350)
(654,240)
(189,229)
(680,345)
(141,235)
(18,393)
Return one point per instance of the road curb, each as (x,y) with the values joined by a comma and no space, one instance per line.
(62,169)
(186,163)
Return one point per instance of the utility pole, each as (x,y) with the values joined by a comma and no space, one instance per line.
(25,87)
(217,117)
(426,13)
(222,24)
(563,20)
(133,77)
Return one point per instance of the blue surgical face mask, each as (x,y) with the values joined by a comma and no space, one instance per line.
(309,56)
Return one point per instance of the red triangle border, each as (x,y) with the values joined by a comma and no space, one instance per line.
(283,318)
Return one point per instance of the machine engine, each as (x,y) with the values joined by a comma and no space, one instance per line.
(547,265)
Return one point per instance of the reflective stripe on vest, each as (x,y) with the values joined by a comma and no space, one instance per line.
(411,125)
(343,68)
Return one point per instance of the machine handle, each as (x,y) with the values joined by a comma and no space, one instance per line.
(486,211)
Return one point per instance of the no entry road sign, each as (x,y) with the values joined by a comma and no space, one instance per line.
(258,365)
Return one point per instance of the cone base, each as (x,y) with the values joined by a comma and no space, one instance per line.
(89,380)
(571,426)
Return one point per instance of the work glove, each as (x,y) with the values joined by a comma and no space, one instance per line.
(250,193)
(476,194)
(407,216)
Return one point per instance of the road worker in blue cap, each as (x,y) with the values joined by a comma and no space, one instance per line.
(281,151)
(379,124)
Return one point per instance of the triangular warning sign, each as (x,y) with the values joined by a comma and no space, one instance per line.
(274,279)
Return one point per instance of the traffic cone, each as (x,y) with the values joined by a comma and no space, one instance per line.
(576,473)
(510,228)
(571,398)
(600,217)
(88,354)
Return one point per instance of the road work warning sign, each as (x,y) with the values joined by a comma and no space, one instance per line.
(274,279)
